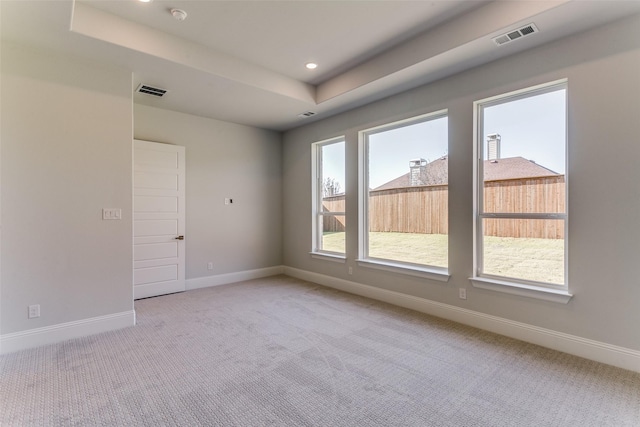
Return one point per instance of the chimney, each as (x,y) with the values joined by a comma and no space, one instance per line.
(493,146)
(416,169)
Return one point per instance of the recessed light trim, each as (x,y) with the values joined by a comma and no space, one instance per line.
(179,14)
(311,65)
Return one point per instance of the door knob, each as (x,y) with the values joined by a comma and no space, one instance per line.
(180,238)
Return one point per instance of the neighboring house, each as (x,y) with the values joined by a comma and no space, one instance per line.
(436,172)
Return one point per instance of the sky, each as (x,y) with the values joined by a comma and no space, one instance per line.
(333,163)
(533,128)
(391,151)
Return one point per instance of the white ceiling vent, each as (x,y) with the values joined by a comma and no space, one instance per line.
(307,114)
(515,34)
(150,90)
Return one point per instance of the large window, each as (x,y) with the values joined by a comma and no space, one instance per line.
(329,196)
(521,214)
(404,193)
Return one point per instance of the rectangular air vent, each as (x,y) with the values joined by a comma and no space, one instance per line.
(150,90)
(515,34)
(307,114)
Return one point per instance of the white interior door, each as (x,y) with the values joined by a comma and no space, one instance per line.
(158,219)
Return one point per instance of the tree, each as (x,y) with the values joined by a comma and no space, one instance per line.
(330,187)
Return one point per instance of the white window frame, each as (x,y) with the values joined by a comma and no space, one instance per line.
(317,196)
(514,285)
(364,260)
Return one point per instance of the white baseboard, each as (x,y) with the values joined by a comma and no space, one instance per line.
(223,279)
(589,349)
(65,331)
(31,338)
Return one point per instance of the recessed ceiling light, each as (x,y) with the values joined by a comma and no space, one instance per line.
(311,65)
(145,1)
(179,14)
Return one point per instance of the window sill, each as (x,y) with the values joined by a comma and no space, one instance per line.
(411,270)
(530,291)
(329,257)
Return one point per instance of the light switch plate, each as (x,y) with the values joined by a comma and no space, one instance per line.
(112,213)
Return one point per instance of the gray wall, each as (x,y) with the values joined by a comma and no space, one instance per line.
(603,68)
(224,160)
(67,129)
(66,154)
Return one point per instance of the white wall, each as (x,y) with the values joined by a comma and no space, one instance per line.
(603,69)
(224,160)
(66,154)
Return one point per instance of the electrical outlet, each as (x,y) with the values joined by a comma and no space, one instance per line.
(209,265)
(228,201)
(350,270)
(462,293)
(34,311)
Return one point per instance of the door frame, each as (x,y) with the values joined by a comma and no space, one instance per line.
(179,285)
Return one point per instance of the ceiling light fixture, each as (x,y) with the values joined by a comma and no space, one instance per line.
(311,65)
(179,14)
(145,1)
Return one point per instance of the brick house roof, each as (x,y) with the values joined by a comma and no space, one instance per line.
(437,172)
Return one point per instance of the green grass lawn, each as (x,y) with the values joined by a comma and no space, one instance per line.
(541,260)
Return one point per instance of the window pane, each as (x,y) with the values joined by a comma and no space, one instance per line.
(408,193)
(528,249)
(523,152)
(525,195)
(333,169)
(523,144)
(416,248)
(333,233)
(329,197)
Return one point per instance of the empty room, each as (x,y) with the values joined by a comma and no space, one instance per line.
(319,213)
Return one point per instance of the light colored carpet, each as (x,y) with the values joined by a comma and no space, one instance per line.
(282,352)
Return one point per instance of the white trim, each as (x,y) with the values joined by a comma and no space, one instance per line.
(223,279)
(363,195)
(364,190)
(524,93)
(478,193)
(407,121)
(17,341)
(329,257)
(523,215)
(521,289)
(407,269)
(621,357)
(317,188)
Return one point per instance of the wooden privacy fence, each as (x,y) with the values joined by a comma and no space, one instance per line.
(419,209)
(333,204)
(424,209)
(542,194)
